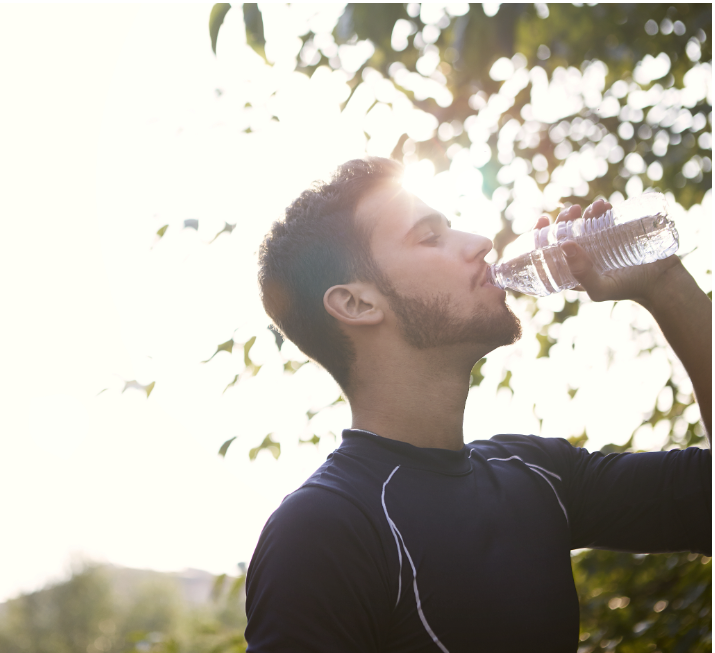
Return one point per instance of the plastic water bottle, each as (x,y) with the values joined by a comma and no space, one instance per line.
(635,232)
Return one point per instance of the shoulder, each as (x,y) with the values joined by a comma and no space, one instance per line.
(314,509)
(314,546)
(530,449)
(314,524)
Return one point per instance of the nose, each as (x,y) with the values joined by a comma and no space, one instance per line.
(476,246)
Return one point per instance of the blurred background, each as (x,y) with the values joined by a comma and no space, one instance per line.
(150,419)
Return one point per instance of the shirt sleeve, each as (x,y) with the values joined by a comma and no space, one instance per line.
(651,502)
(318,579)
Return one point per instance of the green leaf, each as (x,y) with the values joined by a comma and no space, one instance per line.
(578,440)
(218,13)
(224,346)
(227,229)
(476,376)
(138,386)
(253,20)
(162,231)
(545,344)
(506,381)
(224,447)
(314,440)
(269,444)
(235,380)
(293,366)
(250,365)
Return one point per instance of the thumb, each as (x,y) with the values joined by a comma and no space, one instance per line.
(581,266)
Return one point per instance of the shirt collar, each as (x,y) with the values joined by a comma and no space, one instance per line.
(443,461)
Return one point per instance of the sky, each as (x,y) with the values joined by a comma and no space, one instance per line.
(113,128)
(116,477)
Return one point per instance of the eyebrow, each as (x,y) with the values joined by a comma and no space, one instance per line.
(429,219)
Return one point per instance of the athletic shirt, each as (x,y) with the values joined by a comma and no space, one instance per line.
(392,548)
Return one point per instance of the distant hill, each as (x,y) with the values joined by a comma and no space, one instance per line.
(105,608)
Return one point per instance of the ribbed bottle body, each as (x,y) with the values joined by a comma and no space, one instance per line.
(636,233)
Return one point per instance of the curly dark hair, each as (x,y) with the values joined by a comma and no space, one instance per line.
(316,246)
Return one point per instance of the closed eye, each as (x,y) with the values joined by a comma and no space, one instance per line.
(430,225)
(431,240)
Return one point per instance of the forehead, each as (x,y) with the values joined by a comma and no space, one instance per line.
(389,211)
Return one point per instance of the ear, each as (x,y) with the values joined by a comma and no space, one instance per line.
(353,304)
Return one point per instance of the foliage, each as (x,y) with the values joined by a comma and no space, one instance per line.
(563,102)
(643,603)
(105,610)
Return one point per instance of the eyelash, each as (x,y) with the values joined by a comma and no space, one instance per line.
(432,240)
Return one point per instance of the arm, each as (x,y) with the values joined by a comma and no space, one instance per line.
(684,314)
(666,289)
(317,581)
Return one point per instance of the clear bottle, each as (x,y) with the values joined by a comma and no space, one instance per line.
(635,232)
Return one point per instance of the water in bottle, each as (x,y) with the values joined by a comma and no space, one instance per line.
(635,232)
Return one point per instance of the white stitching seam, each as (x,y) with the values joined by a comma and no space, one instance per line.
(393,529)
(535,468)
(395,533)
(554,489)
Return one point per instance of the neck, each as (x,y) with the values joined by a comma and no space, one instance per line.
(417,398)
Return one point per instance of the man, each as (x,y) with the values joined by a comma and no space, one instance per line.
(406,538)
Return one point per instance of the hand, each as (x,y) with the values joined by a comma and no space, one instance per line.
(638,283)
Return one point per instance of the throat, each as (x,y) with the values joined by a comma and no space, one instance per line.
(424,415)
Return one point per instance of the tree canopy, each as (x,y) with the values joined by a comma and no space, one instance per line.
(512,110)
(551,104)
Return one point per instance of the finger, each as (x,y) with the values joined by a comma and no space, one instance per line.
(598,208)
(571,213)
(581,267)
(543,221)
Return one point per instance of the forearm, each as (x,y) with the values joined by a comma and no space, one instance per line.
(684,314)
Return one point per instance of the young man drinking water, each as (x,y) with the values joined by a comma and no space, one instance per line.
(406,538)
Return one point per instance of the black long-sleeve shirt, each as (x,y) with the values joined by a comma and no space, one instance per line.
(393,548)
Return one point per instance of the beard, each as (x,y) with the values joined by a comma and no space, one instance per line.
(431,322)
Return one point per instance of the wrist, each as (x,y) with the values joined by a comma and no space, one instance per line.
(673,288)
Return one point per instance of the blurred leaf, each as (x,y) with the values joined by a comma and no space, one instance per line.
(254,28)
(162,231)
(578,440)
(293,366)
(545,344)
(218,13)
(227,229)
(235,380)
(506,381)
(251,367)
(269,444)
(476,376)
(224,447)
(224,346)
(138,386)
(314,440)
